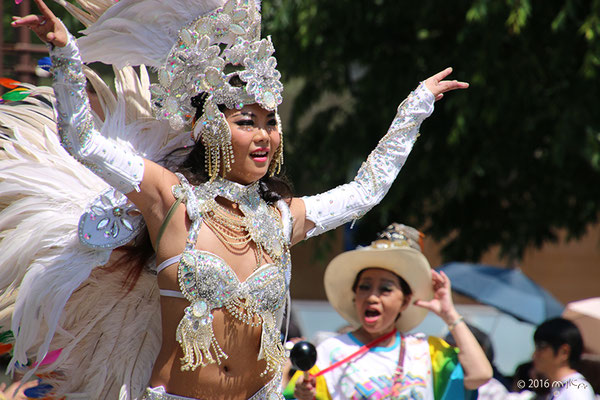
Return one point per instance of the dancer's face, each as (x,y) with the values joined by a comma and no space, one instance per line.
(254,137)
(379,300)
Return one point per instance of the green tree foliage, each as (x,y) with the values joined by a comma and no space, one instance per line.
(510,161)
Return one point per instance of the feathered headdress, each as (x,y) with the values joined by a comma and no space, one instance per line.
(197,47)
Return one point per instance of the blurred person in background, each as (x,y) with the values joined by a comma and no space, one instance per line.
(558,348)
(385,290)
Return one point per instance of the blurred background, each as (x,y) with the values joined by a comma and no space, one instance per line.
(505,174)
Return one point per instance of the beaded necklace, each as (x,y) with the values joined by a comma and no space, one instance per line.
(259,223)
(231,230)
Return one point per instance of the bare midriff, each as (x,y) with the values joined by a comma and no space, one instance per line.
(237,377)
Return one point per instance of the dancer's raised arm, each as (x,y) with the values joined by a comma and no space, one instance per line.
(118,166)
(314,215)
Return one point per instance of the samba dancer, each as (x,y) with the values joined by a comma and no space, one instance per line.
(222,246)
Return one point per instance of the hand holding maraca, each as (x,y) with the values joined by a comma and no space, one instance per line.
(303,357)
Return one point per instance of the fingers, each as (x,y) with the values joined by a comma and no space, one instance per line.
(44,9)
(449,85)
(29,20)
(447,280)
(424,304)
(453,85)
(30,384)
(439,279)
(442,74)
(438,86)
(305,389)
(306,383)
(436,278)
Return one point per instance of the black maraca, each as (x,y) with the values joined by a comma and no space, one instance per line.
(303,356)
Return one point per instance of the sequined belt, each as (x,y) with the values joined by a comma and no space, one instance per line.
(271,391)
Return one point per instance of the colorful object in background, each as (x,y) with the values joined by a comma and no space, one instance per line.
(18,1)
(39,391)
(322,393)
(42,389)
(9,83)
(447,372)
(45,63)
(5,348)
(17,93)
(42,69)
(51,357)
(6,341)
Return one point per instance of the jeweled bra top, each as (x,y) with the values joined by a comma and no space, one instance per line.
(208,282)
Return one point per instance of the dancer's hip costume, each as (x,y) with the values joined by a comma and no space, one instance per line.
(63,172)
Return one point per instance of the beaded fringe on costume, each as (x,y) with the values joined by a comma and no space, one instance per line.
(195,331)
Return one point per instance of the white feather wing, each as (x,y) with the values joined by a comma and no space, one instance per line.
(51,293)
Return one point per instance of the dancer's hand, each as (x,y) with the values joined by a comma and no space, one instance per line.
(438,86)
(305,389)
(10,394)
(46,26)
(441,304)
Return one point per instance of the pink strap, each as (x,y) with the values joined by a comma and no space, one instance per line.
(358,352)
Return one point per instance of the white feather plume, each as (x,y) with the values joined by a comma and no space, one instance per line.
(52,294)
(134,32)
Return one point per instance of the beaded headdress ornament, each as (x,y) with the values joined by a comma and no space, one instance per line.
(208,53)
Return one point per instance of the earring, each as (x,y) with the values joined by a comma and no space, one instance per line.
(216,138)
(277,161)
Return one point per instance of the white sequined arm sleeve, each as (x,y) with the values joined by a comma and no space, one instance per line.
(353,200)
(118,166)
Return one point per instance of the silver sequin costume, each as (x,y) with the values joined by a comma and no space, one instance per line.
(208,282)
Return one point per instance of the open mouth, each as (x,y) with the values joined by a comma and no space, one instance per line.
(371,315)
(260,155)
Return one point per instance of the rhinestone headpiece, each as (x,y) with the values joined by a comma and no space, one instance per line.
(399,235)
(210,51)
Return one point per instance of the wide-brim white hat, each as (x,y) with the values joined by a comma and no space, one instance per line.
(393,252)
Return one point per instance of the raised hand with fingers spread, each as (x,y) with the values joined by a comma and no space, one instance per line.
(46,26)
(441,304)
(438,86)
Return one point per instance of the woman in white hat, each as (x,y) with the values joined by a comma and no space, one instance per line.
(385,290)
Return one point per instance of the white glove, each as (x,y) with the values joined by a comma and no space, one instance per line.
(353,200)
(118,166)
